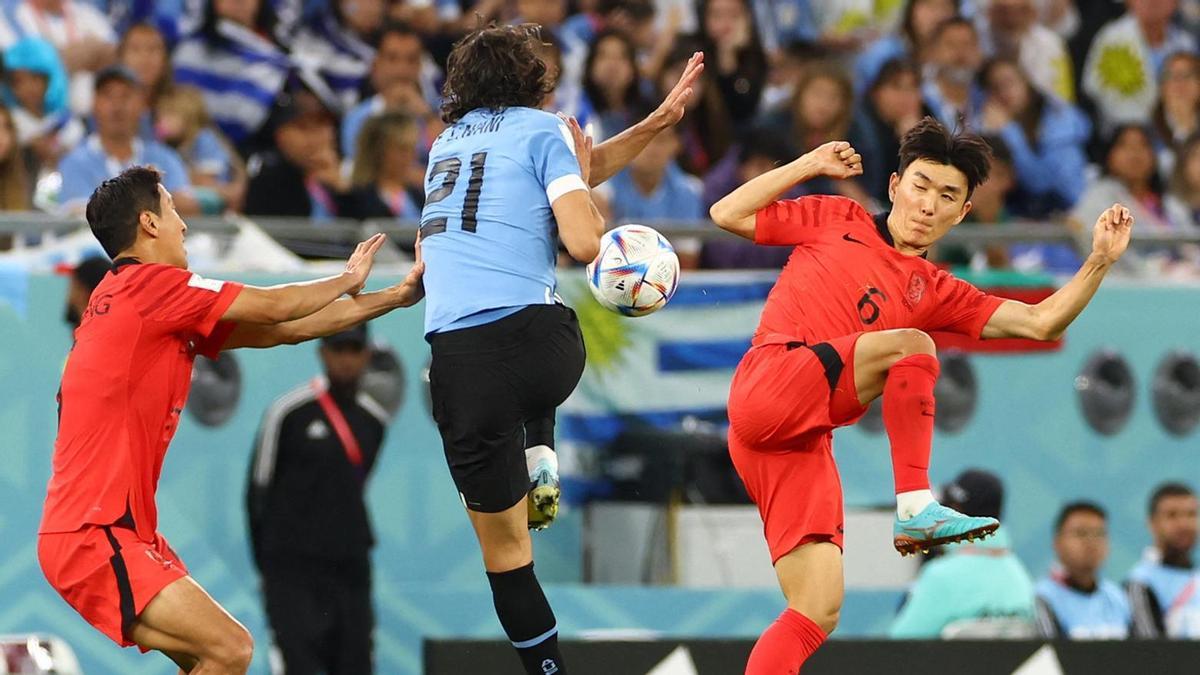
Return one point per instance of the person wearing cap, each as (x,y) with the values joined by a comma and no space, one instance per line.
(972,580)
(309,528)
(84,278)
(116,146)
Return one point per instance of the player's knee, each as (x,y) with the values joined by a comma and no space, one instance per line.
(910,341)
(235,650)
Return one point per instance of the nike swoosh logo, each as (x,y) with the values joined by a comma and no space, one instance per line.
(847,237)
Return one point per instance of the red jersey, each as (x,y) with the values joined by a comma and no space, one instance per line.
(845,276)
(123,389)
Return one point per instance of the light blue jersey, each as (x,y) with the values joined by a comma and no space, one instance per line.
(487,232)
(1102,614)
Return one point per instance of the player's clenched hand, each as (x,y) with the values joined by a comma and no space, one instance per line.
(1110,236)
(358,267)
(410,291)
(836,159)
(583,147)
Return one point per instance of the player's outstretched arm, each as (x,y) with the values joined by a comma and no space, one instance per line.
(580,223)
(335,317)
(1048,319)
(288,302)
(614,154)
(736,211)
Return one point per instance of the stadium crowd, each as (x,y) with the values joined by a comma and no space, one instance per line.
(328,109)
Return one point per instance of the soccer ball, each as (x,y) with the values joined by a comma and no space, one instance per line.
(636,271)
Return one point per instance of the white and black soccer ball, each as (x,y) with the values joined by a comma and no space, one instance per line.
(636,272)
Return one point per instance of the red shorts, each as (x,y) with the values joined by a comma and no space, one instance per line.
(107,574)
(784,403)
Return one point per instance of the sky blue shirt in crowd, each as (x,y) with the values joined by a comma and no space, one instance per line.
(489,237)
(87,166)
(677,197)
(1102,614)
(1177,591)
(971,581)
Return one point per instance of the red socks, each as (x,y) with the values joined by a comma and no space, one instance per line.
(908,409)
(785,645)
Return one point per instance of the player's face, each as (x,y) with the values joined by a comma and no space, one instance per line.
(927,201)
(1082,543)
(1174,523)
(171,230)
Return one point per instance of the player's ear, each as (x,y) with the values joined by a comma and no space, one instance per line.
(148,223)
(893,183)
(965,210)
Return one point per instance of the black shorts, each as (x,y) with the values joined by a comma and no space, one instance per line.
(494,389)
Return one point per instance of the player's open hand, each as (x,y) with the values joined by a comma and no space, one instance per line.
(410,291)
(671,110)
(583,147)
(1110,237)
(358,267)
(836,159)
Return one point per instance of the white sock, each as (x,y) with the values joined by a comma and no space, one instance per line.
(539,453)
(909,504)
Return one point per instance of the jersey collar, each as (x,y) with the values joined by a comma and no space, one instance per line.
(121,262)
(886,234)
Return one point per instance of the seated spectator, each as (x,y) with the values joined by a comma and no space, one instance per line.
(733,55)
(216,171)
(36,94)
(912,42)
(1131,177)
(1162,587)
(1009,29)
(705,130)
(143,50)
(950,88)
(653,187)
(1045,136)
(1074,601)
(235,59)
(611,88)
(396,80)
(301,174)
(1125,58)
(1177,114)
(387,181)
(81,33)
(338,42)
(790,66)
(981,580)
(115,146)
(891,107)
(1185,179)
(14,183)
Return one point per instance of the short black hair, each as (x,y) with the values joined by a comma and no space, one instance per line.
(397,28)
(931,141)
(494,67)
(115,206)
(1168,489)
(892,70)
(1072,508)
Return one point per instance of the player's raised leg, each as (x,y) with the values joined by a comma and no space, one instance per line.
(542,463)
(812,582)
(902,366)
(186,624)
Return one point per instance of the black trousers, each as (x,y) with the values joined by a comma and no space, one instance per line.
(321,616)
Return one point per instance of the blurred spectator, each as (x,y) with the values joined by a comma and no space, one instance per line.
(1185,179)
(1074,601)
(1130,176)
(733,55)
(989,206)
(920,20)
(1045,135)
(1162,587)
(396,80)
(954,59)
(115,146)
(310,529)
(610,85)
(822,108)
(761,149)
(387,181)
(143,50)
(1177,114)
(81,33)
(971,581)
(653,187)
(632,18)
(235,60)
(37,98)
(301,175)
(14,182)
(84,279)
(1010,29)
(1125,58)
(339,44)
(785,22)
(216,171)
(789,67)
(705,130)
(891,107)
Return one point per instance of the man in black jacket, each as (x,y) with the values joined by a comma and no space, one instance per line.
(309,527)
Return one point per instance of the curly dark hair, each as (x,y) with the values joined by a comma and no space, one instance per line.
(931,141)
(494,67)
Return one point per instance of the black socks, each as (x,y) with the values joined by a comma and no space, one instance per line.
(527,619)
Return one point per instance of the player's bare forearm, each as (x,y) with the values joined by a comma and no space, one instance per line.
(287,302)
(612,155)
(333,318)
(1048,319)
(735,212)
